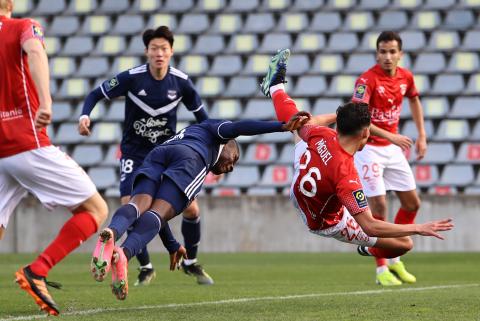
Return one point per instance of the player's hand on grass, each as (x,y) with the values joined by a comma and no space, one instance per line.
(84,125)
(297,121)
(43,117)
(177,257)
(401,141)
(421,147)
(431,228)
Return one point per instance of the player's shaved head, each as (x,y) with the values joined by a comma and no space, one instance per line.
(6,5)
(352,118)
(228,158)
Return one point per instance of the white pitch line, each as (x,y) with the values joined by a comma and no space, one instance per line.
(243,300)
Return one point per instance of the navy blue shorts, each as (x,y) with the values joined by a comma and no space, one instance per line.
(181,164)
(128,166)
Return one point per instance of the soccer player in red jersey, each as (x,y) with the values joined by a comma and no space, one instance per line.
(381,164)
(28,161)
(326,182)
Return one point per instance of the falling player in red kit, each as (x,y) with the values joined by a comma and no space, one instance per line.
(382,166)
(326,182)
(28,161)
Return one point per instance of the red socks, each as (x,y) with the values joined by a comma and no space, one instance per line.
(76,230)
(285,106)
(405,217)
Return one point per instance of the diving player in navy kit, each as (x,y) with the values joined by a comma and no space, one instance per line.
(152,93)
(169,179)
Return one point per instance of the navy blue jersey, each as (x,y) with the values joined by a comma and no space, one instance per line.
(150,106)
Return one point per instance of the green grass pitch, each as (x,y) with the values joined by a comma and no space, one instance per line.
(256,286)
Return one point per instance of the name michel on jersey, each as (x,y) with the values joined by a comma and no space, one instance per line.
(323,151)
(11,114)
(152,128)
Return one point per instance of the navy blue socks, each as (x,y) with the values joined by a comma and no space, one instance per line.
(191,236)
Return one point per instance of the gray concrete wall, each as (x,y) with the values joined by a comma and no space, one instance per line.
(253,224)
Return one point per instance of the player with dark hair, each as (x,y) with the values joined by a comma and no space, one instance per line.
(326,183)
(153,92)
(29,162)
(169,179)
(382,164)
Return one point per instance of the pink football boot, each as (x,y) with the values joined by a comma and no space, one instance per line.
(102,255)
(119,274)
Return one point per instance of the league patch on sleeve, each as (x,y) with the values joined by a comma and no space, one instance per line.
(360,91)
(360,198)
(37,32)
(112,83)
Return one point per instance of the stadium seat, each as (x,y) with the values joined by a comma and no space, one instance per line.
(67,133)
(405,112)
(452,130)
(472,190)
(274,41)
(194,64)
(342,42)
(372,4)
(275,5)
(61,67)
(340,4)
(359,21)
(209,45)
(325,22)
(392,20)
(287,155)
(185,115)
(309,43)
(243,44)
(473,86)
(96,25)
(49,8)
(293,22)
(425,175)
(277,176)
(326,105)
(243,176)
(123,63)
(410,129)
(145,6)
(298,65)
(177,6)
(429,63)
(476,132)
(425,20)
(437,153)
(243,6)
(162,19)
(52,46)
(413,40)
(63,26)
(103,177)
(469,153)
(87,155)
(406,4)
(193,23)
(78,46)
(110,46)
(448,84)
(228,65)
(22,7)
(459,20)
(434,107)
(82,7)
(53,87)
(457,175)
(61,111)
(260,154)
(97,113)
(257,64)
(422,83)
(226,23)
(466,107)
(310,86)
(369,42)
(444,40)
(464,62)
(136,47)
(470,40)
(259,109)
(328,64)
(261,191)
(307,5)
(210,6)
(442,190)
(358,63)
(341,85)
(240,86)
(210,86)
(116,111)
(105,133)
(113,6)
(303,104)
(92,67)
(281,137)
(127,25)
(73,88)
(226,109)
(439,4)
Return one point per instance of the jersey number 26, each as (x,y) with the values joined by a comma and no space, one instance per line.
(309,177)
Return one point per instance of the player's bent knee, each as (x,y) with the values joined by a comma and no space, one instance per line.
(192,211)
(407,243)
(96,206)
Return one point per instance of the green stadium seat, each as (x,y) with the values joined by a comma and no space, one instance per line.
(328,64)
(455,130)
(123,63)
(82,7)
(226,109)
(226,23)
(326,22)
(210,6)
(369,42)
(470,40)
(293,22)
(426,20)
(209,45)
(341,85)
(162,19)
(61,111)
(210,86)
(73,88)
(227,65)
(96,25)
(62,67)
(276,5)
(406,4)
(464,62)
(194,64)
(110,46)
(243,44)
(444,41)
(435,107)
(359,21)
(64,26)
(22,8)
(145,6)
(112,157)
(127,25)
(309,43)
(259,23)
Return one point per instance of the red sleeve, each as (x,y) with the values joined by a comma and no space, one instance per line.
(363,89)
(412,89)
(306,131)
(350,193)
(31,29)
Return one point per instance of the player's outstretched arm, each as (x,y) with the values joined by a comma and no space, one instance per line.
(323,119)
(374,227)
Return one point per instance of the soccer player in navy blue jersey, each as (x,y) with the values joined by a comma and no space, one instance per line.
(153,92)
(169,179)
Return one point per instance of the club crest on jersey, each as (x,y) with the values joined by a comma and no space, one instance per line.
(403,89)
(172,94)
(360,198)
(112,83)
(360,91)
(37,32)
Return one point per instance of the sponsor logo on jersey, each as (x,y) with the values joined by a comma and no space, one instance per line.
(360,91)
(152,128)
(112,83)
(381,90)
(172,94)
(403,89)
(360,198)
(142,93)
(11,114)
(37,32)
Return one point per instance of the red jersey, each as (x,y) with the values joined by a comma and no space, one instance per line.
(384,95)
(18,96)
(327,180)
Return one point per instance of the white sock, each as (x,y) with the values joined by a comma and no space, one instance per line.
(381,269)
(276,87)
(148,266)
(394,260)
(189,262)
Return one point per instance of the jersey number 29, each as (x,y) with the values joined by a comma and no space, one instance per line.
(308,177)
